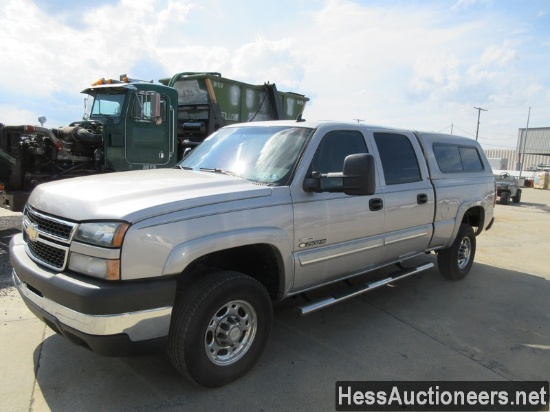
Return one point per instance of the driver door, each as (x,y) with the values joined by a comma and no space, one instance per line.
(147,143)
(335,234)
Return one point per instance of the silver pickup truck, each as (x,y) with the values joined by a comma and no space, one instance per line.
(190,259)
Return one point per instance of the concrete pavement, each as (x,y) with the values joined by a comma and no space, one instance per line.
(494,325)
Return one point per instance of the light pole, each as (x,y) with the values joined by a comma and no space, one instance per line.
(479,109)
(522,151)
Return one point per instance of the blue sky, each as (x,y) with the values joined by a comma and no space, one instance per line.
(412,64)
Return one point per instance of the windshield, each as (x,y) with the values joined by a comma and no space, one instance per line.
(104,104)
(261,154)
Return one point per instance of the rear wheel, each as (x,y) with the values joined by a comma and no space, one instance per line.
(517,197)
(455,262)
(219,328)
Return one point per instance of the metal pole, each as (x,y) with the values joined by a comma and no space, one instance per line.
(522,152)
(479,109)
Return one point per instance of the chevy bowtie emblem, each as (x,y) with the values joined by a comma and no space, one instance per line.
(32,231)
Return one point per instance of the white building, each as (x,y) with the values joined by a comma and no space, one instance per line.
(533,149)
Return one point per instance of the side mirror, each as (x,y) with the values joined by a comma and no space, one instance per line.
(359,175)
(357,179)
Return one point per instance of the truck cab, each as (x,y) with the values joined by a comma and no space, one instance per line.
(137,121)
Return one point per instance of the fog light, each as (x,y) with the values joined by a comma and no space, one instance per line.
(108,269)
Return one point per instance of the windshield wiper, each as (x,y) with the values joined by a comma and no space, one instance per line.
(216,170)
(183,167)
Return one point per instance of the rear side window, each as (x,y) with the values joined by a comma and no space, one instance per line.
(457,159)
(398,158)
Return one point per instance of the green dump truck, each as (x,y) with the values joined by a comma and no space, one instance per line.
(132,124)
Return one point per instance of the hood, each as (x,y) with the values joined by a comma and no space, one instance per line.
(136,195)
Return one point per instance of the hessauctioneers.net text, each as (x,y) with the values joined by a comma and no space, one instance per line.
(444,396)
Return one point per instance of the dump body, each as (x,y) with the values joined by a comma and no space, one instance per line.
(207,101)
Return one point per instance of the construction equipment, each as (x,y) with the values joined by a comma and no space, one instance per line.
(133,124)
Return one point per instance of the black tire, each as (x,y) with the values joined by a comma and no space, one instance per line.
(517,197)
(455,262)
(220,327)
(505,198)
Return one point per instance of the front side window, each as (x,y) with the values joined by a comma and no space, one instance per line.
(334,148)
(398,158)
(265,155)
(143,104)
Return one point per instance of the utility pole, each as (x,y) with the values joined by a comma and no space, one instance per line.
(522,153)
(479,109)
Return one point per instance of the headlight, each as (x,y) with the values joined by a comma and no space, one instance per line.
(106,234)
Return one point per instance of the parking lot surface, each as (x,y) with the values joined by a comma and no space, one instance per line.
(493,325)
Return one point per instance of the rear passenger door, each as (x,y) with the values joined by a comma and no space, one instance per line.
(408,195)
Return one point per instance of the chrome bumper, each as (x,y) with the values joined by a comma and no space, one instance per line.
(139,326)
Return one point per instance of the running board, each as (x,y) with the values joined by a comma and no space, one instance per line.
(361,288)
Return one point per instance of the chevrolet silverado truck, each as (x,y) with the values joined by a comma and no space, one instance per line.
(191,259)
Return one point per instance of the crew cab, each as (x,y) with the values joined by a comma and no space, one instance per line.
(190,259)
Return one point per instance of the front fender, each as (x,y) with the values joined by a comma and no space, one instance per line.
(184,254)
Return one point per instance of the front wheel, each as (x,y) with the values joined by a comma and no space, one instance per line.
(505,198)
(455,262)
(220,327)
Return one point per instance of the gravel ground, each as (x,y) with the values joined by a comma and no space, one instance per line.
(9,226)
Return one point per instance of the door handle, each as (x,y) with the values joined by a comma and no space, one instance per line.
(376,204)
(422,198)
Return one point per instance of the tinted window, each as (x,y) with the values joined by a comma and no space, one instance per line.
(334,148)
(448,158)
(398,158)
(470,159)
(457,159)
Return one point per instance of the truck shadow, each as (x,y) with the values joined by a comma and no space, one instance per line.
(491,326)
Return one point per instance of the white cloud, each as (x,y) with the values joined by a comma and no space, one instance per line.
(436,73)
(498,56)
(407,64)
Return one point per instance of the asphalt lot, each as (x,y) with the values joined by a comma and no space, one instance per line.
(494,325)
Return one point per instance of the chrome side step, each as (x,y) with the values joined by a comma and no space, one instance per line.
(361,288)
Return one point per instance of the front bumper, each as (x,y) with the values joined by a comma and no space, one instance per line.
(110,318)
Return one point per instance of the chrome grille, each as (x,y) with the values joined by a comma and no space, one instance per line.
(52,256)
(47,238)
(57,228)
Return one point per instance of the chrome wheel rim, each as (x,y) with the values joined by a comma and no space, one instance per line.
(230,332)
(464,252)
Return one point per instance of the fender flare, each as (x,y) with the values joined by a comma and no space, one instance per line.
(185,253)
(462,209)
